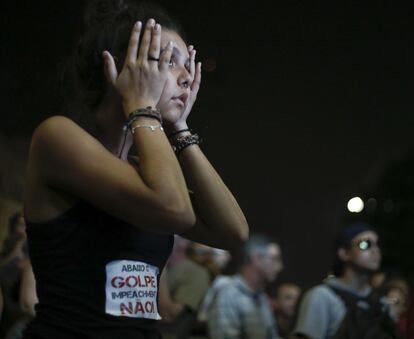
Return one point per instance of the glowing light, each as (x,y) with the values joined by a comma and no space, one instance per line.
(355,205)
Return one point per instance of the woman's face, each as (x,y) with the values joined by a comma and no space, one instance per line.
(174,97)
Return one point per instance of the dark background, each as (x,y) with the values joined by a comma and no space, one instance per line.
(303,105)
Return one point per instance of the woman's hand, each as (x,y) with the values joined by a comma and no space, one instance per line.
(195,71)
(142,78)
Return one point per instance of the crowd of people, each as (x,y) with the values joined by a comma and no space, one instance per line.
(198,299)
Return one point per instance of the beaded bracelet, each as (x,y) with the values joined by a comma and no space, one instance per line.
(181,143)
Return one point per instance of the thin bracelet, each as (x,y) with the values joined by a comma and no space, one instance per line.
(178,132)
(147,112)
(152,127)
(136,117)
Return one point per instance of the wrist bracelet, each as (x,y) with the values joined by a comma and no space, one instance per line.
(183,142)
(152,127)
(147,112)
(178,132)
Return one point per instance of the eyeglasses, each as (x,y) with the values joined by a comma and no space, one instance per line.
(366,244)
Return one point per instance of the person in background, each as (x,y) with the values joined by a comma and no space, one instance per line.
(285,306)
(396,290)
(217,262)
(13,259)
(183,289)
(345,306)
(179,251)
(241,309)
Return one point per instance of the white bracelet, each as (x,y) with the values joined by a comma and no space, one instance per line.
(152,127)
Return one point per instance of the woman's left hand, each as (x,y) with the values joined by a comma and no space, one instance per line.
(195,72)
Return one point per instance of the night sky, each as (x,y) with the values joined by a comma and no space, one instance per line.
(307,103)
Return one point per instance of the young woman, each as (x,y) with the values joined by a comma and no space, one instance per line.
(100,226)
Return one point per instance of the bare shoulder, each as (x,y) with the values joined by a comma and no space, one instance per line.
(49,146)
(58,131)
(60,141)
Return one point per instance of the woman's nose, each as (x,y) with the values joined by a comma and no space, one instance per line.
(185,79)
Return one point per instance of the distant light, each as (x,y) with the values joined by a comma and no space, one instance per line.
(355,205)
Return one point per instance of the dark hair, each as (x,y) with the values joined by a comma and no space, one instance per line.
(107,26)
(256,244)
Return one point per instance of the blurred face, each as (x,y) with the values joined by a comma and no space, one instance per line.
(221,257)
(397,302)
(377,279)
(174,97)
(365,251)
(287,299)
(270,263)
(202,252)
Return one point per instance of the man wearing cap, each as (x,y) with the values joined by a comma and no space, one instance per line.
(324,312)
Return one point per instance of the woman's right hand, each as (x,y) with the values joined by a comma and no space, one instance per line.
(141,80)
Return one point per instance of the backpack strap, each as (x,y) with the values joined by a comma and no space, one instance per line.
(364,318)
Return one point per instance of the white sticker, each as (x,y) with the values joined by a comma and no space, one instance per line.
(131,289)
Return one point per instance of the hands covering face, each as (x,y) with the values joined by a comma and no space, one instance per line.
(195,72)
(146,71)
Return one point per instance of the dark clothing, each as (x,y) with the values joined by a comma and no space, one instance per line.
(96,276)
(366,318)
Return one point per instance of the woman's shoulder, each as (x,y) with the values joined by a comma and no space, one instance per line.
(49,149)
(56,126)
(59,133)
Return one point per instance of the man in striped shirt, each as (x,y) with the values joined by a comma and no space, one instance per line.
(241,309)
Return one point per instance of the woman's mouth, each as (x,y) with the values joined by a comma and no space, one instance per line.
(180,100)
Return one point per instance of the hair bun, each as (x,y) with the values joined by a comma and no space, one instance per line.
(100,11)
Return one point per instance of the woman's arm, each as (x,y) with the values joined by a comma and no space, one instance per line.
(220,221)
(65,158)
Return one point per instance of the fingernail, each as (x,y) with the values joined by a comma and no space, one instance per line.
(157,27)
(151,22)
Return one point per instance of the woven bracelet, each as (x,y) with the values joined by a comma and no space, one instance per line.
(183,142)
(147,112)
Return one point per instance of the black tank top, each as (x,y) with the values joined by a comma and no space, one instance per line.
(96,276)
